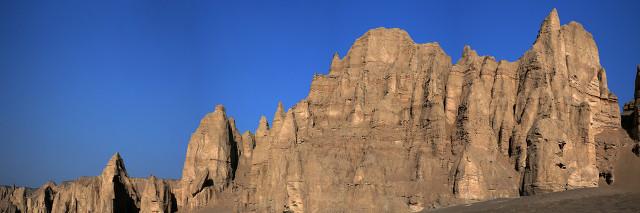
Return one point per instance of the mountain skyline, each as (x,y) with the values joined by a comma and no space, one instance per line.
(83,81)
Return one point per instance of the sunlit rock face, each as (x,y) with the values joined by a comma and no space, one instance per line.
(112,191)
(394,126)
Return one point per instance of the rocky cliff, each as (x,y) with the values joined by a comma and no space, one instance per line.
(112,191)
(393,127)
(631,114)
(631,111)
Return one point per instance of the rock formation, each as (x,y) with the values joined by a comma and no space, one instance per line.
(12,199)
(211,160)
(112,191)
(393,127)
(631,112)
(156,196)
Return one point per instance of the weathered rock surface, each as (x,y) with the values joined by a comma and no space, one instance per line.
(156,196)
(211,160)
(112,191)
(631,111)
(12,199)
(393,127)
(631,115)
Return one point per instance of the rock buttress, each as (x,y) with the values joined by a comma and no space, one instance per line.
(211,160)
(395,126)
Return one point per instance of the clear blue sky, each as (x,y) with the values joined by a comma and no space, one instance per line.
(80,80)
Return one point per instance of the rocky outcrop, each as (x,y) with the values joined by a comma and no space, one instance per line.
(631,115)
(156,196)
(13,199)
(394,126)
(112,191)
(42,199)
(631,112)
(211,161)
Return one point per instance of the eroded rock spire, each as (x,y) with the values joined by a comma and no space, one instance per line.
(278,118)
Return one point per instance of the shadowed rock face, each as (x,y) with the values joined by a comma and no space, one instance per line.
(631,113)
(393,127)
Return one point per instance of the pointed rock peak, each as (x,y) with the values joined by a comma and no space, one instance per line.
(279,112)
(115,166)
(335,64)
(336,58)
(468,52)
(263,127)
(468,55)
(280,107)
(248,143)
(278,118)
(553,14)
(218,115)
(288,130)
(549,33)
(232,124)
(553,18)
(264,124)
(550,23)
(115,158)
(219,108)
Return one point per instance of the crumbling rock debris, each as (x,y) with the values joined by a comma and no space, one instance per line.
(393,127)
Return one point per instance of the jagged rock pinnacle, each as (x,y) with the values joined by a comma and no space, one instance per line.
(335,59)
(263,127)
(115,166)
(549,28)
(220,108)
(552,20)
(468,54)
(278,118)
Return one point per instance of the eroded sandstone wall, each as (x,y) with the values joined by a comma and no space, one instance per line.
(394,126)
(112,191)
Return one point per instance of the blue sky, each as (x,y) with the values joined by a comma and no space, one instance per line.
(81,80)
